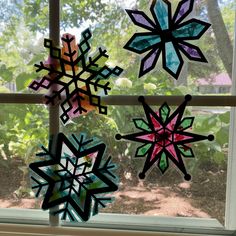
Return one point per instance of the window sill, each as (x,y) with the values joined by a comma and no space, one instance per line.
(35,222)
(18,230)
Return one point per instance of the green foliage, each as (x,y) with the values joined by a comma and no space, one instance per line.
(213,152)
(228,14)
(23,80)
(18,52)
(21,131)
(73,13)
(6,73)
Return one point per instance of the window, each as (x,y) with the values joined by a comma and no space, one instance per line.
(214,179)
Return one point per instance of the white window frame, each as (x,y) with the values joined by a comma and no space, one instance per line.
(36,222)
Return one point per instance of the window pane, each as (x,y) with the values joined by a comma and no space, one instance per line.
(23,25)
(115,28)
(23,129)
(168,194)
(23,29)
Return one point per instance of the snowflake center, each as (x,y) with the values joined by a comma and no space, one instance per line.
(163,137)
(166,36)
(70,179)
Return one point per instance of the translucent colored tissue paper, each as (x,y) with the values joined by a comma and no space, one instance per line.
(167,35)
(74,78)
(164,137)
(73,178)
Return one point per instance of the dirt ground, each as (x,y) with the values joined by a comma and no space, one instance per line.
(203,197)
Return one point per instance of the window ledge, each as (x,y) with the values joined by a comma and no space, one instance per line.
(18,230)
(35,222)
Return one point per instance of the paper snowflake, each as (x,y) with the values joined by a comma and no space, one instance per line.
(164,137)
(167,35)
(73,77)
(74,177)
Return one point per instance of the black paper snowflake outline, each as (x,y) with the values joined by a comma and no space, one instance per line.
(74,176)
(164,137)
(84,79)
(167,35)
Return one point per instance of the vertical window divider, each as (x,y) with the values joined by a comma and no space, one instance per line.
(54,125)
(230,211)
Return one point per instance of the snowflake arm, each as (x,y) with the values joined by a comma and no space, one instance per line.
(141,19)
(161,12)
(143,42)
(190,30)
(184,8)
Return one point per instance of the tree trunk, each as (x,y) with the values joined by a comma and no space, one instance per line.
(223,42)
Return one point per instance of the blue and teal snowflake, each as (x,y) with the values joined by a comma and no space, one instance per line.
(74,178)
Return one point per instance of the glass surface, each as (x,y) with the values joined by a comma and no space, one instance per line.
(168,194)
(196,78)
(22,30)
(23,129)
(23,26)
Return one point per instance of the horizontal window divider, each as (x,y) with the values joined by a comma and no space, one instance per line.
(124,100)
(22,98)
(172,100)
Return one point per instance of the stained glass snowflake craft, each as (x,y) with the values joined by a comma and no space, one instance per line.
(166,35)
(74,179)
(164,137)
(74,78)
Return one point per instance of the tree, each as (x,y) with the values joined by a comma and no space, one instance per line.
(222,37)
